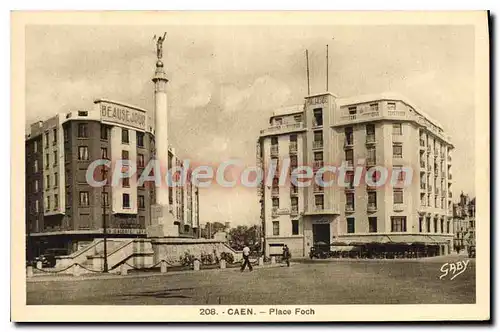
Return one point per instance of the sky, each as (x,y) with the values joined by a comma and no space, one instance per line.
(225,81)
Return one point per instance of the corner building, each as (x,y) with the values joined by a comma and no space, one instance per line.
(63,211)
(383,130)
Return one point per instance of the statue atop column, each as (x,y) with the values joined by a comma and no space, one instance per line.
(159,45)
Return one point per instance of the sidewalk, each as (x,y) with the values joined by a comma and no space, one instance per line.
(105,276)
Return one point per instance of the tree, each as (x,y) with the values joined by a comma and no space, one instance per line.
(242,236)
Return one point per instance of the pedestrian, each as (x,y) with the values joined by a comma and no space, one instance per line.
(246,261)
(286,255)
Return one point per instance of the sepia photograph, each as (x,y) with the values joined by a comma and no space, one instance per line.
(255,166)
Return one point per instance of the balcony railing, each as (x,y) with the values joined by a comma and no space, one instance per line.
(429,188)
(275,191)
(294,190)
(422,143)
(350,163)
(429,167)
(349,208)
(371,162)
(318,164)
(274,212)
(283,128)
(293,148)
(429,149)
(318,189)
(274,150)
(398,207)
(450,195)
(371,207)
(422,164)
(317,144)
(397,138)
(294,211)
(370,139)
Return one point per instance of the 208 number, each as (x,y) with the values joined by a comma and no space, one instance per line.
(207,312)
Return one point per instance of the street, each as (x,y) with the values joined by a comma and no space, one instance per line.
(308,282)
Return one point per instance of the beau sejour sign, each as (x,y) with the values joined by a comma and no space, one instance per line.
(121,114)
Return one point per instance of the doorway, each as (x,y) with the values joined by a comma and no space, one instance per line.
(321,233)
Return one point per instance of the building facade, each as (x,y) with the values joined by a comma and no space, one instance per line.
(63,210)
(363,133)
(464,223)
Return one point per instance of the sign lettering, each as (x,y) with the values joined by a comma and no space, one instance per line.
(122,115)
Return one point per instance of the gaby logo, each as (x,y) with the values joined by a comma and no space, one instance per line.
(453,269)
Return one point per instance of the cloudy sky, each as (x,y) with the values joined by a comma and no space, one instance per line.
(226,80)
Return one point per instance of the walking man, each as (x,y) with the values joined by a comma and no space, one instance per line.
(246,256)
(286,255)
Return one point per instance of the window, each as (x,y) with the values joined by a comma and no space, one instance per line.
(140,203)
(104,153)
(293,138)
(47,160)
(397,129)
(420,226)
(56,158)
(318,136)
(442,226)
(349,156)
(83,113)
(370,130)
(318,156)
(66,134)
(56,180)
(83,153)
(47,181)
(142,221)
(372,224)
(105,199)
(83,130)
(349,177)
(37,207)
(295,227)
(391,106)
(297,118)
(47,139)
(186,228)
(125,136)
(48,203)
(371,155)
(435,225)
(374,107)
(55,136)
(447,227)
(140,139)
(276,228)
(140,160)
(35,147)
(398,196)
(349,200)
(352,110)
(276,203)
(56,201)
(36,186)
(397,151)
(349,136)
(318,117)
(295,203)
(278,121)
(84,198)
(274,140)
(293,161)
(126,182)
(350,225)
(428,224)
(125,155)
(126,201)
(104,132)
(35,166)
(372,199)
(398,224)
(319,201)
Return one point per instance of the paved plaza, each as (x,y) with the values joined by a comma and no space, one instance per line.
(308,282)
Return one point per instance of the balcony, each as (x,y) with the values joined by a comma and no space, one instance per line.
(396,138)
(275,191)
(443,175)
(348,143)
(283,128)
(349,208)
(349,163)
(294,211)
(450,195)
(274,212)
(274,151)
(318,189)
(294,190)
(371,162)
(422,166)
(429,188)
(318,164)
(371,188)
(429,149)
(293,148)
(370,139)
(398,207)
(422,144)
(317,145)
(371,207)
(429,168)
(436,174)
(349,187)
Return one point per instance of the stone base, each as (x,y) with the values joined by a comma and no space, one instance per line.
(162,223)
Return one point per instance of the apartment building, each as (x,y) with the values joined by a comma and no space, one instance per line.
(365,133)
(63,210)
(464,223)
